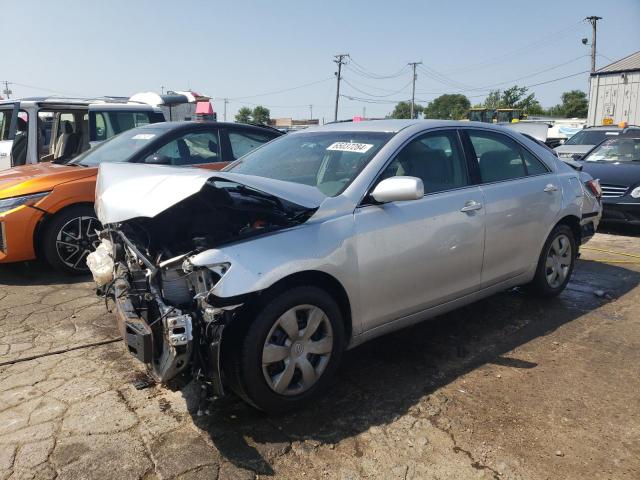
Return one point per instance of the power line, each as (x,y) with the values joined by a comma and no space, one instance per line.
(362,71)
(275,92)
(373,94)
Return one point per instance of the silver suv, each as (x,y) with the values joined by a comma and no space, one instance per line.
(259,276)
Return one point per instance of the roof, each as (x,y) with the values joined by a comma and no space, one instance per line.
(627,64)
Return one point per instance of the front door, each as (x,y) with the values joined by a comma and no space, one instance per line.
(413,255)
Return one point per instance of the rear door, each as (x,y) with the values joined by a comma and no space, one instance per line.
(238,141)
(522,200)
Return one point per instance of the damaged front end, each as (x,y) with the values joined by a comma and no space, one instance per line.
(166,314)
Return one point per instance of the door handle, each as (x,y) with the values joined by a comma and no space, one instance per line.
(471,206)
(550,187)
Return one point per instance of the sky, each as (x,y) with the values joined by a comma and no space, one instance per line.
(259,52)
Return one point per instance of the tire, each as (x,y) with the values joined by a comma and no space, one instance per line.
(556,263)
(292,375)
(64,244)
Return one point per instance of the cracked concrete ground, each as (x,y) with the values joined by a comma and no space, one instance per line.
(511,387)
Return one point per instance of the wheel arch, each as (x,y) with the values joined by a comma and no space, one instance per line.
(46,220)
(573,223)
(321,280)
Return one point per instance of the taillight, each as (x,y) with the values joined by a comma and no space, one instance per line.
(594,187)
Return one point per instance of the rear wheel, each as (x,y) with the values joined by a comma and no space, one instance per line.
(69,237)
(556,262)
(288,353)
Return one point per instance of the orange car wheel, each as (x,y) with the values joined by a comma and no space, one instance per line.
(69,237)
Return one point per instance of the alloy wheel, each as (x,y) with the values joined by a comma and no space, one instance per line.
(558,262)
(75,240)
(297,350)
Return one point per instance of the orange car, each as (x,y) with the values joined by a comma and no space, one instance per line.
(46,210)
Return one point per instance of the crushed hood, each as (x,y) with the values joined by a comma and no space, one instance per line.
(125,191)
(41,177)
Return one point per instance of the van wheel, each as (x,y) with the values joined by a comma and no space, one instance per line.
(69,237)
(556,262)
(289,352)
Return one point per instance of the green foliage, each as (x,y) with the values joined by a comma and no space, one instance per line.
(403,110)
(243,115)
(261,115)
(514,97)
(448,107)
(574,104)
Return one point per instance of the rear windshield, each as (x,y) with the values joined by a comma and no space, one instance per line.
(591,137)
(119,148)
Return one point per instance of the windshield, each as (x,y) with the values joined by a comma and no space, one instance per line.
(329,161)
(616,150)
(590,137)
(119,148)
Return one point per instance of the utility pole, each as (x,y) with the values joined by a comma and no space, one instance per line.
(224,115)
(413,88)
(310,112)
(593,21)
(339,59)
(6,90)
(162,89)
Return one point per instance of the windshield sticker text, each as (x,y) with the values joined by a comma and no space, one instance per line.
(350,147)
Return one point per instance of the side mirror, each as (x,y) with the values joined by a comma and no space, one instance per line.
(156,159)
(397,189)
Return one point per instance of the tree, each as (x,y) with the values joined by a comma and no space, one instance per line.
(261,115)
(574,104)
(492,100)
(448,106)
(403,110)
(243,115)
(514,97)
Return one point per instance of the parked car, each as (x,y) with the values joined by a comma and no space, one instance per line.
(46,210)
(616,163)
(257,277)
(34,130)
(583,141)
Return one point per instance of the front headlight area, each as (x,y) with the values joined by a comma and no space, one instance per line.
(635,193)
(11,203)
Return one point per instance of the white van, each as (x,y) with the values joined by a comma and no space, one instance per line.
(57,129)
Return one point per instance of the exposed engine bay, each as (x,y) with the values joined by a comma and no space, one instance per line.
(167,316)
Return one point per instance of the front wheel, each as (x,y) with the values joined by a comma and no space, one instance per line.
(69,237)
(289,351)
(556,262)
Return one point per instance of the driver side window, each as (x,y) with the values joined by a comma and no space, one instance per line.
(435,158)
(193,148)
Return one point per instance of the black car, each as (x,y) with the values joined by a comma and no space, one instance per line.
(616,163)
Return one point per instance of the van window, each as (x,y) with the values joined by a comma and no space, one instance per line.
(5,123)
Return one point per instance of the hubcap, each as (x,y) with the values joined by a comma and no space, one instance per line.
(559,258)
(76,239)
(297,350)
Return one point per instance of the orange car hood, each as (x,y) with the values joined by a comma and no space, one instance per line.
(42,177)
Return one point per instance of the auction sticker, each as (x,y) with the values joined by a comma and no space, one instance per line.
(143,136)
(350,147)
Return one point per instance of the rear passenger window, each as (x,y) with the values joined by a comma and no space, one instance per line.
(534,166)
(435,158)
(244,142)
(498,156)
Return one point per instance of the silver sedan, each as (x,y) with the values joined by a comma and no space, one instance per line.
(257,278)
